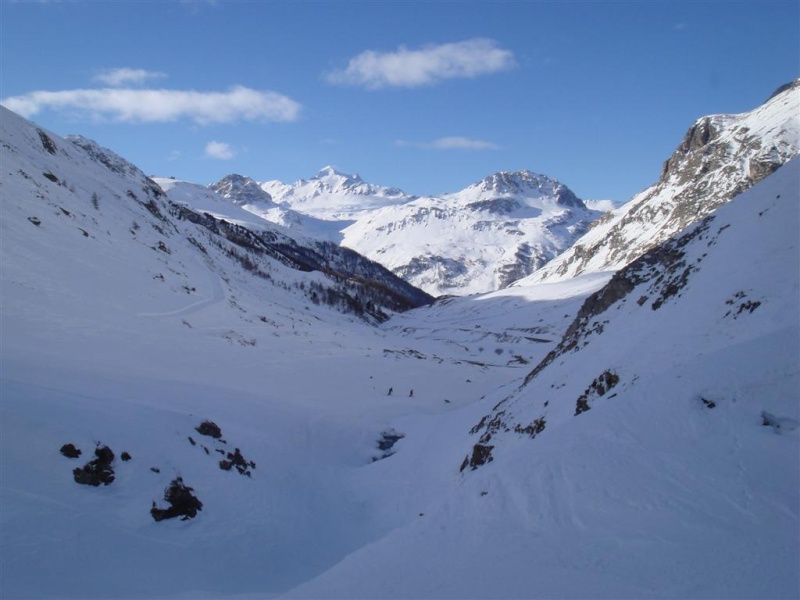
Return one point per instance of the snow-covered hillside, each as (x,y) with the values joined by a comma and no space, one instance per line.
(655,453)
(719,157)
(477,240)
(127,320)
(133,312)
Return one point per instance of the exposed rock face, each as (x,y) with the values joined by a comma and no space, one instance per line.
(720,157)
(481,454)
(242,191)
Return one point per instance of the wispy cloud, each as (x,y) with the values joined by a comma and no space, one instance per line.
(158,106)
(219,150)
(426,66)
(126,76)
(451,143)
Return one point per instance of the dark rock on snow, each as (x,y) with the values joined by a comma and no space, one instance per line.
(210,429)
(97,471)
(70,451)
(182,502)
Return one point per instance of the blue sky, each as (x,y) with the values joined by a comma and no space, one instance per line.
(425,96)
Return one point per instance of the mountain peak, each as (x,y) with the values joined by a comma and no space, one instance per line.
(720,156)
(514,182)
(242,190)
(329,171)
(527,183)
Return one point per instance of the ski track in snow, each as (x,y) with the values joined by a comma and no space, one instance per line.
(217,295)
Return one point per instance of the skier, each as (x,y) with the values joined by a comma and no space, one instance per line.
(390,391)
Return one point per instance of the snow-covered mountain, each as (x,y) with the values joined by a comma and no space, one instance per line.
(480,239)
(602,436)
(719,157)
(510,225)
(247,193)
(477,240)
(109,203)
(334,196)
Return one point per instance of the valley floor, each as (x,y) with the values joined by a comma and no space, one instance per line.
(308,402)
(323,513)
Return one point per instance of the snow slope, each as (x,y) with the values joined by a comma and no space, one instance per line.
(118,329)
(680,475)
(720,156)
(125,325)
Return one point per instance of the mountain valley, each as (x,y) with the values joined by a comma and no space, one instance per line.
(594,406)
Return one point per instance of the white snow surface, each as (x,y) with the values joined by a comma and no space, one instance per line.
(651,493)
(106,338)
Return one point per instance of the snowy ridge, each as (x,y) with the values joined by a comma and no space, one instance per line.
(474,241)
(247,193)
(720,156)
(335,196)
(87,188)
(477,240)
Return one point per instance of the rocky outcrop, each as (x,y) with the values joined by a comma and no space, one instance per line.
(182,502)
(97,471)
(719,157)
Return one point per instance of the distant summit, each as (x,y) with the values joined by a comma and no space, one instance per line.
(477,240)
(333,196)
(243,191)
(527,183)
(480,239)
(330,172)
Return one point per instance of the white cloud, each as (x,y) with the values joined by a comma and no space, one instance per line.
(219,150)
(125,76)
(429,65)
(604,205)
(452,143)
(462,143)
(159,106)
